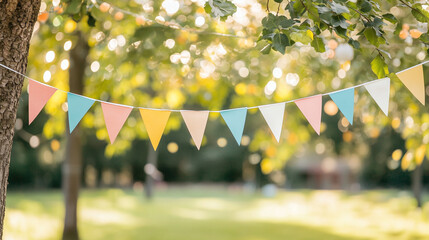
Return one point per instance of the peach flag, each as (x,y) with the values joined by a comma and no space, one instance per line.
(38,96)
(413,79)
(196,122)
(311,107)
(155,122)
(114,117)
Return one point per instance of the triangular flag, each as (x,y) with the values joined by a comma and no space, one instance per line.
(196,122)
(38,96)
(311,107)
(235,119)
(413,79)
(155,122)
(345,100)
(380,92)
(114,117)
(78,106)
(274,115)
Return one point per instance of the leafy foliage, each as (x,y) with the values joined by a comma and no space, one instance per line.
(220,8)
(360,23)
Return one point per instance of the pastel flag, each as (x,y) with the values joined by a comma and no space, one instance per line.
(345,100)
(155,122)
(413,79)
(114,117)
(274,115)
(380,92)
(196,122)
(78,106)
(311,107)
(38,96)
(235,119)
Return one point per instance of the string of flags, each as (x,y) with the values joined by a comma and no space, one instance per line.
(155,120)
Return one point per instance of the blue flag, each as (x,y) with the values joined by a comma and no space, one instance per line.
(345,101)
(235,119)
(78,106)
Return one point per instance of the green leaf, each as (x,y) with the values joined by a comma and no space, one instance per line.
(313,13)
(342,32)
(371,36)
(220,8)
(91,20)
(74,7)
(354,43)
(273,22)
(389,17)
(304,37)
(280,42)
(266,49)
(278,1)
(379,67)
(318,44)
(365,7)
(298,8)
(339,21)
(424,38)
(291,10)
(420,14)
(338,8)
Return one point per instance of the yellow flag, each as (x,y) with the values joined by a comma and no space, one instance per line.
(155,122)
(413,79)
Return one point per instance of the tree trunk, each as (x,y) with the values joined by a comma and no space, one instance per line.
(17,19)
(150,170)
(417,182)
(72,166)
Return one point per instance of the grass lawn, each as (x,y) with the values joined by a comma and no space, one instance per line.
(208,213)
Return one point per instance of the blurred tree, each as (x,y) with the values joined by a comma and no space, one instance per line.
(17,20)
(72,166)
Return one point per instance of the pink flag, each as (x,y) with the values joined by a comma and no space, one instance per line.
(38,95)
(114,117)
(196,122)
(311,107)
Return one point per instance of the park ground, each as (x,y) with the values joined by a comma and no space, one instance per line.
(224,213)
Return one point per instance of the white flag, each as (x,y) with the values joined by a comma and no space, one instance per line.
(274,115)
(380,92)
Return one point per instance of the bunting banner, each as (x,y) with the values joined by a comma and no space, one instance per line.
(78,106)
(235,119)
(274,115)
(311,107)
(155,120)
(345,100)
(380,92)
(196,122)
(413,79)
(114,117)
(38,96)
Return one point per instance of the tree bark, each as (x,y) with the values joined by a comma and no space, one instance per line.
(17,19)
(72,166)
(417,182)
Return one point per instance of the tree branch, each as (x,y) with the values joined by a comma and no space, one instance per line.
(306,9)
(361,14)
